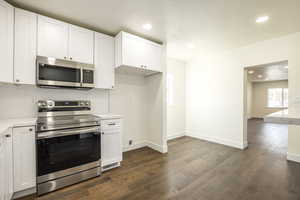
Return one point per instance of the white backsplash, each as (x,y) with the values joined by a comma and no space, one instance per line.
(20,101)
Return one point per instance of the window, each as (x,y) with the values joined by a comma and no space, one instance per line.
(278,97)
(170,89)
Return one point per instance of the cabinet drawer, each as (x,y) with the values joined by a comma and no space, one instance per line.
(110,124)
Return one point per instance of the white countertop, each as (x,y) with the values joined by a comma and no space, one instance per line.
(283,117)
(16,122)
(108,116)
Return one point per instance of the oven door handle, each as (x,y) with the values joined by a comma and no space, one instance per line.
(61,133)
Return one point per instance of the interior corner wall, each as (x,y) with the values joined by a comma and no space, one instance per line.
(176,110)
(156,104)
(128,98)
(260,97)
(215,89)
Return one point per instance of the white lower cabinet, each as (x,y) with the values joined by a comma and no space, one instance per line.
(6,166)
(111,143)
(24,158)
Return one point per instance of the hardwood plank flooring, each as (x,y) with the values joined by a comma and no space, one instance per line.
(199,170)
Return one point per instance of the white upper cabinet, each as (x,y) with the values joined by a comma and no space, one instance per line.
(24,158)
(134,51)
(53,38)
(6,41)
(25,46)
(64,41)
(81,44)
(104,61)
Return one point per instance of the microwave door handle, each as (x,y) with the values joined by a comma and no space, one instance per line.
(81,77)
(60,133)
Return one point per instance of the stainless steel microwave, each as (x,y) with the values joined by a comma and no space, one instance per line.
(52,72)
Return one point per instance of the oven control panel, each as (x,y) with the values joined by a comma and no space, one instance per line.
(63,104)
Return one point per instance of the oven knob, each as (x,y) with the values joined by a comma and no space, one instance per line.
(82,103)
(87,103)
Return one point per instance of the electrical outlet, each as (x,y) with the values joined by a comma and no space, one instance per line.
(130,142)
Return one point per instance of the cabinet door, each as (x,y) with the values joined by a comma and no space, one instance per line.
(111,147)
(104,61)
(6,41)
(25,47)
(52,38)
(81,45)
(153,56)
(133,51)
(6,166)
(24,158)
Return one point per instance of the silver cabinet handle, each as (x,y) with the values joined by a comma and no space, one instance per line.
(17,80)
(112,124)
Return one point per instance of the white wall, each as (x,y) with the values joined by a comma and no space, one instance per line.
(128,99)
(138,99)
(249,99)
(20,101)
(215,90)
(176,110)
(260,98)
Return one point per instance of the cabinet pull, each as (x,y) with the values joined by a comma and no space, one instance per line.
(71,58)
(30,129)
(112,124)
(8,136)
(17,80)
(65,57)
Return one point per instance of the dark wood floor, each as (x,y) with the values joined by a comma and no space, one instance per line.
(199,170)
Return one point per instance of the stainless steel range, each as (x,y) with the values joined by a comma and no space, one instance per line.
(68,144)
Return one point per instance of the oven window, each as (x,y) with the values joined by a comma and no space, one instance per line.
(60,153)
(57,73)
(88,76)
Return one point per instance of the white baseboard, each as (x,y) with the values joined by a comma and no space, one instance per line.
(219,140)
(156,147)
(135,146)
(174,136)
(293,157)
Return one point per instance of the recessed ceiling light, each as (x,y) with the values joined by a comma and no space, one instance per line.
(286,67)
(262,19)
(147,27)
(259,76)
(191,46)
(251,72)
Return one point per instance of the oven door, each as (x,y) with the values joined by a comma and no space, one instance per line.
(88,77)
(65,152)
(55,75)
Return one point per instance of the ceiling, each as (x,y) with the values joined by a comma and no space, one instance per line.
(269,72)
(211,26)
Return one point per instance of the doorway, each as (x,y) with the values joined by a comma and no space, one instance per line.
(266,92)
